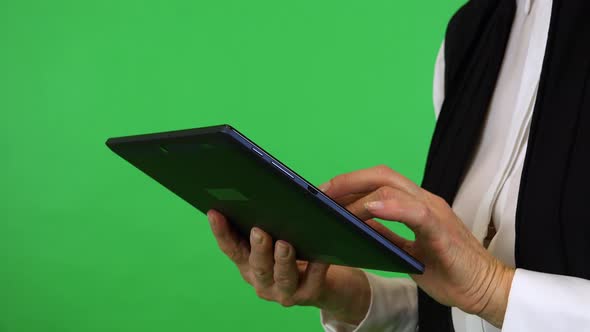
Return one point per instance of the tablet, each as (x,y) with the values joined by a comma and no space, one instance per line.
(219,168)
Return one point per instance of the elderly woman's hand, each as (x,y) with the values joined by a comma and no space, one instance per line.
(460,272)
(275,274)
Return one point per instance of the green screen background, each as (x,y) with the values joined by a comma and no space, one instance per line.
(88,243)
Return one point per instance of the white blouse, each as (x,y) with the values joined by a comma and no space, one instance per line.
(538,302)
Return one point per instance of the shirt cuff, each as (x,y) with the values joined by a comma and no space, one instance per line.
(393,308)
(544,302)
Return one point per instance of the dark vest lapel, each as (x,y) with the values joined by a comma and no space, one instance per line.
(474,49)
(553,213)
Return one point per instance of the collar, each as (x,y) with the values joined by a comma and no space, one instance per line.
(526,5)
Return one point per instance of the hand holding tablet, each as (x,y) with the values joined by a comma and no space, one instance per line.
(219,168)
(261,209)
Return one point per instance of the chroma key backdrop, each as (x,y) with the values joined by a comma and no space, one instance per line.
(87,242)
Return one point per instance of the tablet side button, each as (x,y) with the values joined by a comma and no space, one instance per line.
(257,152)
(283,170)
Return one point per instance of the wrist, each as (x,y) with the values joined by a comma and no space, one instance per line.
(346,295)
(494,309)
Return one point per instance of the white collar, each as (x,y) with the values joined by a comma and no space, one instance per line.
(527,4)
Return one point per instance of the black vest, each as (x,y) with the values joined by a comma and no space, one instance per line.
(553,210)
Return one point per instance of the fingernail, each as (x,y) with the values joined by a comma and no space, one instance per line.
(374,205)
(255,236)
(324,187)
(282,250)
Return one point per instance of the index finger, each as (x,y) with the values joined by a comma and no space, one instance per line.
(228,240)
(367,180)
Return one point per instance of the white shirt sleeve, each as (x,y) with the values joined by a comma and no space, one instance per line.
(393,308)
(544,302)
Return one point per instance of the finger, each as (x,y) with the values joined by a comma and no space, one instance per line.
(386,193)
(351,198)
(228,240)
(312,281)
(286,274)
(412,213)
(368,180)
(301,266)
(261,258)
(388,234)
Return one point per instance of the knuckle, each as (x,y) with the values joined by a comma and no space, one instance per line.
(423,212)
(286,301)
(441,201)
(383,169)
(385,193)
(234,254)
(260,273)
(229,251)
(338,179)
(283,280)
